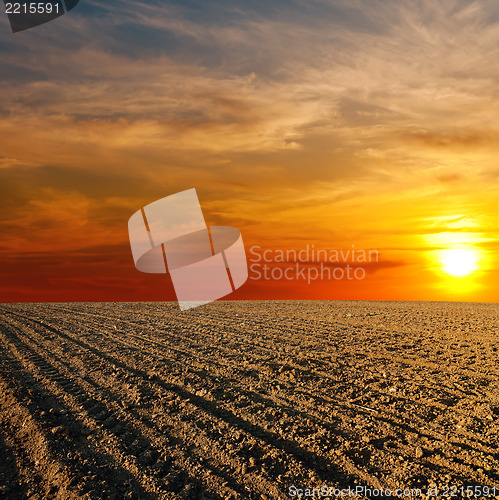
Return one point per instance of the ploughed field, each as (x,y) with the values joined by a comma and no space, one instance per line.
(246,399)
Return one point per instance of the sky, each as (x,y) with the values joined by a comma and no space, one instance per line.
(332,124)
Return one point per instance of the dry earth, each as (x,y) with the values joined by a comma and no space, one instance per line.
(241,400)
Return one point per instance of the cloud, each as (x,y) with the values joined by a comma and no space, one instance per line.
(345,119)
(364,75)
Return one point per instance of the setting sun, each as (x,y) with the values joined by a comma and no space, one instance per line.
(459,261)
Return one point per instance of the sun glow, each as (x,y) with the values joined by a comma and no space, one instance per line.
(459,261)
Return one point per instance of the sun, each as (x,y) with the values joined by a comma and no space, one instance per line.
(459,261)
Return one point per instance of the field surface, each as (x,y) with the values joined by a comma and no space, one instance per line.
(239,400)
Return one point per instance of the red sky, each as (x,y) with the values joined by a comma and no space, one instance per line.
(353,125)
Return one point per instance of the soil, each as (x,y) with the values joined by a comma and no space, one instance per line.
(247,400)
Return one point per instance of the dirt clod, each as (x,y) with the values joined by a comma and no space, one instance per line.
(241,400)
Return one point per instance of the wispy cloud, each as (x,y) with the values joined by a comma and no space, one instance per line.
(294,113)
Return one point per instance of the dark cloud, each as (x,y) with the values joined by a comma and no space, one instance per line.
(297,119)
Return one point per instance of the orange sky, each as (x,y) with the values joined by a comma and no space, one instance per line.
(337,125)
